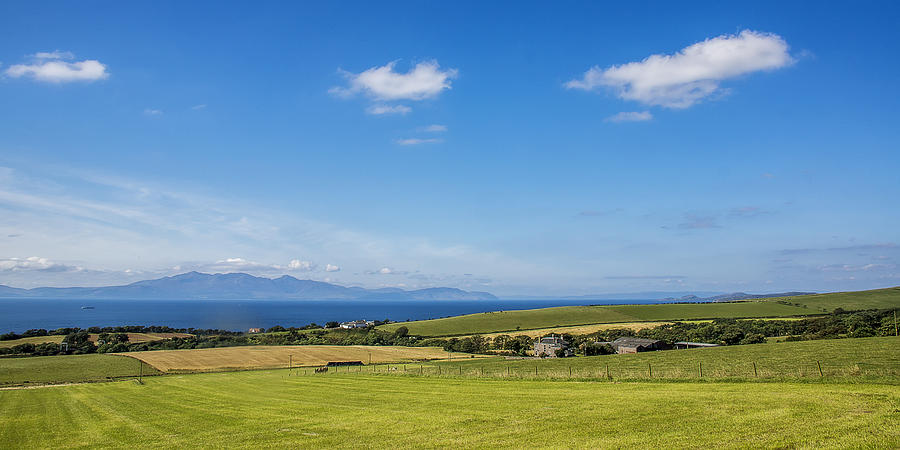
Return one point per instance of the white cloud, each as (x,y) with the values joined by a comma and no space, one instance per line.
(153,112)
(378,110)
(332,268)
(630,116)
(35,263)
(198,107)
(51,67)
(304,266)
(435,128)
(683,79)
(54,55)
(385,271)
(417,141)
(425,80)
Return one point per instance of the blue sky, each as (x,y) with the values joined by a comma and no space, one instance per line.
(522,149)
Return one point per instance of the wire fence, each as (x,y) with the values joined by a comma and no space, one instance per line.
(697,370)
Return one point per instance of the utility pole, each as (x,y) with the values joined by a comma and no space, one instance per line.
(895,322)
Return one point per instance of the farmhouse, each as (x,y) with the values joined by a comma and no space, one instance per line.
(357,324)
(255,330)
(634,345)
(548,346)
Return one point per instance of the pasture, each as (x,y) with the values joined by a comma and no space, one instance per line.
(888,298)
(272,409)
(259,357)
(68,369)
(567,316)
(840,359)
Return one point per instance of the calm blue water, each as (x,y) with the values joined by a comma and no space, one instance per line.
(21,314)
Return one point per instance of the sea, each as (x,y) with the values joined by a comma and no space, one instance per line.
(18,315)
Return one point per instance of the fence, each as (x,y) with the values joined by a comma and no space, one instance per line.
(698,370)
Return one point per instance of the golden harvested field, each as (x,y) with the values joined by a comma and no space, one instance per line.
(272,356)
(580,329)
(56,339)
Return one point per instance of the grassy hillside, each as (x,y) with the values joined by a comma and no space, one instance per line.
(257,357)
(875,299)
(67,369)
(493,322)
(270,409)
(862,358)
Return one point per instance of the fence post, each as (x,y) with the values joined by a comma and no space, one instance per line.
(701,369)
(755,373)
(507,371)
(820,368)
(649,370)
(460,370)
(607,371)
(535,370)
(482,370)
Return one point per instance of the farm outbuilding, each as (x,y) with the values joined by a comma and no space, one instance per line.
(635,345)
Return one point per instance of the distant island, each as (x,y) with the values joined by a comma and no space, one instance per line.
(198,286)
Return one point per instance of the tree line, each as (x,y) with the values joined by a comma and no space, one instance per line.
(839,324)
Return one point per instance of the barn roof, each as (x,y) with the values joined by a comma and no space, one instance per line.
(634,342)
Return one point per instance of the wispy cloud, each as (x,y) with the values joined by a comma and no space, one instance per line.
(199,107)
(694,73)
(630,116)
(130,229)
(418,141)
(747,212)
(35,263)
(153,112)
(599,213)
(698,222)
(434,128)
(378,110)
(53,67)
(849,248)
(645,277)
(425,80)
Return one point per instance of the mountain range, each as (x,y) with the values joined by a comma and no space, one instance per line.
(195,285)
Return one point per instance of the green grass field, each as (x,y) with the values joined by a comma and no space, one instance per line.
(68,369)
(511,321)
(851,301)
(263,409)
(858,359)
(568,316)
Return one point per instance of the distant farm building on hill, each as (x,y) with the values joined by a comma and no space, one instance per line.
(635,345)
(548,347)
(357,324)
(255,330)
